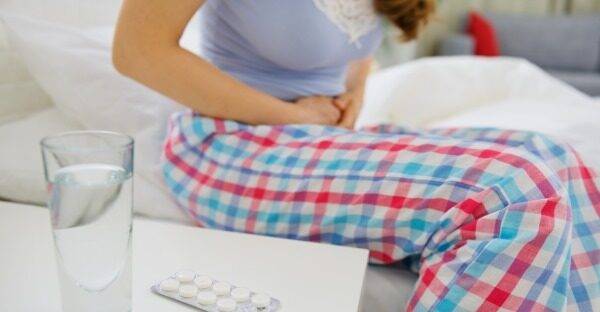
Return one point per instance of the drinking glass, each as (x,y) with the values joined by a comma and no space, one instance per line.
(89,176)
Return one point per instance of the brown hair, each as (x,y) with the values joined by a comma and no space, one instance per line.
(408,15)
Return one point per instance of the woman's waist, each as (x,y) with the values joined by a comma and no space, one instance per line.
(280,82)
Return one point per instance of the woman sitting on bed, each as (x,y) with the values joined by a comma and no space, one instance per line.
(489,218)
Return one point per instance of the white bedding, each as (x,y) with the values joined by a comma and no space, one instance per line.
(20,95)
(479,92)
(73,65)
(433,89)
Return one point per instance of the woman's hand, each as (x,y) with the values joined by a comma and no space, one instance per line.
(319,110)
(350,103)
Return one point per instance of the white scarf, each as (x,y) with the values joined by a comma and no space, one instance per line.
(356,18)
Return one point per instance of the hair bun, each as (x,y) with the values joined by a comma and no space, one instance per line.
(408,15)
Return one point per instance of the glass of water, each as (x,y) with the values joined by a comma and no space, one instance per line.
(89,175)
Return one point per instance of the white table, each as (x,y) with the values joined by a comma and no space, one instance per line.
(304,276)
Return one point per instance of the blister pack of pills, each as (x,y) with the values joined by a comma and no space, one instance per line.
(207,294)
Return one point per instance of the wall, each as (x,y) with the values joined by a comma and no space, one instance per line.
(451,13)
(586,6)
(73,12)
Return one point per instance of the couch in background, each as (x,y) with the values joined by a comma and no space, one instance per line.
(568,47)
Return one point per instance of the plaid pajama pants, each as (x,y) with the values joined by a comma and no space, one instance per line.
(493,219)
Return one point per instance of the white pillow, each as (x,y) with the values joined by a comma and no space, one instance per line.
(22,179)
(73,65)
(19,99)
(20,95)
(21,175)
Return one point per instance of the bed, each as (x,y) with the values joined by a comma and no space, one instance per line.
(56,77)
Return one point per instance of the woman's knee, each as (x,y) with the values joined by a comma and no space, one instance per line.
(530,177)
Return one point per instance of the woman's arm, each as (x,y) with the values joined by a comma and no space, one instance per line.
(146,48)
(351,101)
(357,74)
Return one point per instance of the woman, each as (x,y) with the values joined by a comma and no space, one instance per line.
(489,218)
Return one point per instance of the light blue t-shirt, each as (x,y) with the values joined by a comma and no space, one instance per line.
(287,48)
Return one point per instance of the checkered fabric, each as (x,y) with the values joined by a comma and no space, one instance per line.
(496,219)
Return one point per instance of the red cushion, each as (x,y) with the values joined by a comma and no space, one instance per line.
(484,34)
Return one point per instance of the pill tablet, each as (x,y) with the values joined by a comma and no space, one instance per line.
(203,281)
(240,294)
(221,288)
(185,276)
(170,284)
(207,294)
(207,298)
(261,300)
(226,305)
(188,291)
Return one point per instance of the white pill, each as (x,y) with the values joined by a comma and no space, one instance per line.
(226,305)
(170,284)
(203,281)
(188,291)
(185,276)
(221,288)
(261,300)
(207,298)
(240,294)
